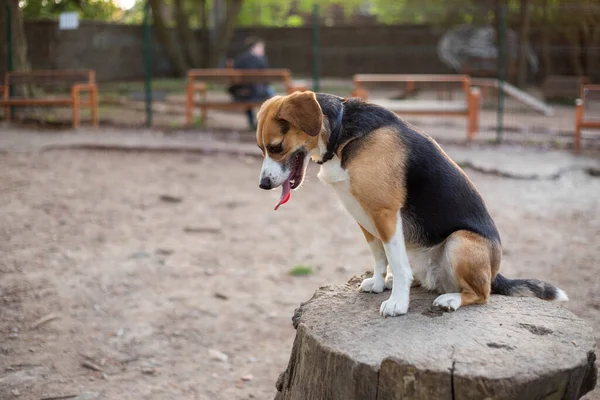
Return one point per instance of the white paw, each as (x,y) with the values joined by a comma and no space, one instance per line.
(448,301)
(372,285)
(389,281)
(394,306)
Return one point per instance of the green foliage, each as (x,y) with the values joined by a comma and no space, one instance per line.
(105,10)
(301,270)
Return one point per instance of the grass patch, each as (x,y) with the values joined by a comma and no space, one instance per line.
(301,270)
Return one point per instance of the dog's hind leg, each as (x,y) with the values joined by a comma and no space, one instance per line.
(474,261)
(377,283)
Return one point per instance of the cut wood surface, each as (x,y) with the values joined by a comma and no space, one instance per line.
(510,348)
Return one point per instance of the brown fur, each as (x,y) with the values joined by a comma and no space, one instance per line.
(382,157)
(300,112)
(475,262)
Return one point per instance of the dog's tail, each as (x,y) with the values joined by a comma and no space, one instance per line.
(527,288)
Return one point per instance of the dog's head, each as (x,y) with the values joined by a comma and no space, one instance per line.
(288,134)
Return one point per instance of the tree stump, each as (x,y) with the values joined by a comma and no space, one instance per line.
(510,348)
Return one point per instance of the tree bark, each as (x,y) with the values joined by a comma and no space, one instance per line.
(545,32)
(225,32)
(205,34)
(525,21)
(186,35)
(573,37)
(172,50)
(510,348)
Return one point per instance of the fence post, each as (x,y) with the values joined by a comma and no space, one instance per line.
(148,64)
(501,42)
(9,52)
(316,48)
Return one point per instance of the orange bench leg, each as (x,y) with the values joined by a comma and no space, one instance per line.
(75,97)
(189,105)
(473,114)
(94,107)
(578,120)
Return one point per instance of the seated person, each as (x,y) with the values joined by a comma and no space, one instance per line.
(252,58)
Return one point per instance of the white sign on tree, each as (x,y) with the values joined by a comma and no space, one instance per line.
(68,20)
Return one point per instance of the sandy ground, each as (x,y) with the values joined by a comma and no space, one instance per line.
(189,296)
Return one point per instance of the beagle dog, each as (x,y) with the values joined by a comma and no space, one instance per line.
(422,217)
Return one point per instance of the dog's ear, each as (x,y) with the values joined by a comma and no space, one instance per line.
(302,110)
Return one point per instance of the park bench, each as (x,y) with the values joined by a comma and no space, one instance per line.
(467,107)
(52,88)
(199,79)
(588,93)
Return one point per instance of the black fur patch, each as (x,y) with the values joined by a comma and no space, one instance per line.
(523,287)
(440,198)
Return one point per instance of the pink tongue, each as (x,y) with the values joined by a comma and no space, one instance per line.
(285,193)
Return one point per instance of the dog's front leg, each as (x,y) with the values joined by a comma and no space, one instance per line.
(378,282)
(389,227)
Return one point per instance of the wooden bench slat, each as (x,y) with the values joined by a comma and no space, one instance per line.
(36,101)
(50,77)
(391,78)
(425,106)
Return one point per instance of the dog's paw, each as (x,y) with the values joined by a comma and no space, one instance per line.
(389,281)
(394,306)
(448,301)
(372,285)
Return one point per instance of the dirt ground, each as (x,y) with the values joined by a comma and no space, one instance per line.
(166,276)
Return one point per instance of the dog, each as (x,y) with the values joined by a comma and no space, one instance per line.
(423,218)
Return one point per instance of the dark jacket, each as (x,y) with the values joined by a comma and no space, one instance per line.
(249,91)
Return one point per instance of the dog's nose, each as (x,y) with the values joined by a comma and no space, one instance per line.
(265,183)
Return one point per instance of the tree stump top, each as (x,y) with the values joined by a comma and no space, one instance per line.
(509,348)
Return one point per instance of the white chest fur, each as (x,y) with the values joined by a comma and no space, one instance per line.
(332,173)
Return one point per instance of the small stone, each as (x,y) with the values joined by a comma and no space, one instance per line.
(148,371)
(247,378)
(31,350)
(221,296)
(209,272)
(16,392)
(217,355)
(164,252)
(167,198)
(120,332)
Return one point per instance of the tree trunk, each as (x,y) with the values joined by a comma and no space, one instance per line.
(545,32)
(225,32)
(3,49)
(525,21)
(172,50)
(205,34)
(20,59)
(510,348)
(573,37)
(186,35)
(592,54)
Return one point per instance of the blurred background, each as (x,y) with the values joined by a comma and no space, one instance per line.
(545,48)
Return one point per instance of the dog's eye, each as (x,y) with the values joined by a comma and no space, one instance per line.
(284,126)
(275,149)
